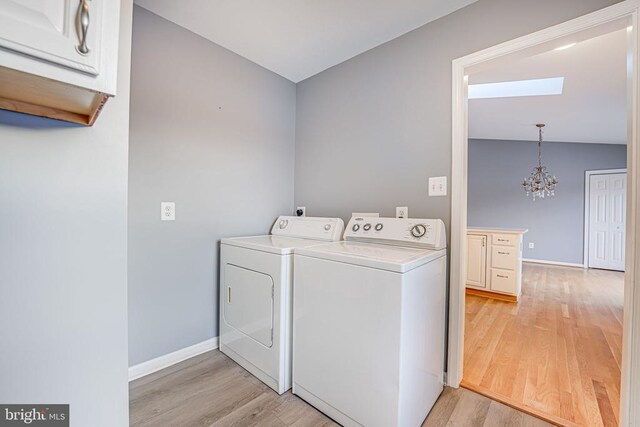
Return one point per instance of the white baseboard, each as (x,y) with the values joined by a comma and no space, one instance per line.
(145,368)
(562,264)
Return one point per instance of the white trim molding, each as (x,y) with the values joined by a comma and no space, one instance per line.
(558,263)
(615,17)
(587,204)
(150,366)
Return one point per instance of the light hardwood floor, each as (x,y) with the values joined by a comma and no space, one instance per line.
(555,352)
(212,390)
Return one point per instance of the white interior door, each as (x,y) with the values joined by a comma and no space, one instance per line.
(607,216)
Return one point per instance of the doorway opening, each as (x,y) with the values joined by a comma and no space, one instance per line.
(621,17)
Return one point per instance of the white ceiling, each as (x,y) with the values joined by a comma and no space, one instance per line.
(300,38)
(592,108)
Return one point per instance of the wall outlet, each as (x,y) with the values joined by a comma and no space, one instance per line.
(167,211)
(532,245)
(402,212)
(438,186)
(301,211)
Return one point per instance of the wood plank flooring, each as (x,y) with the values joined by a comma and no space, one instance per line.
(212,390)
(557,351)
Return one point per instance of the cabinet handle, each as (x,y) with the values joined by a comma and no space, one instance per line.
(82,21)
(503,253)
(502,277)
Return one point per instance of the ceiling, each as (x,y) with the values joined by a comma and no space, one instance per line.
(300,38)
(591,109)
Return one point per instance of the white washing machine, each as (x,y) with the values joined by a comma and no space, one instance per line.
(256,276)
(369,322)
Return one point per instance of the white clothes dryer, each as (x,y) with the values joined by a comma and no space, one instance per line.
(256,281)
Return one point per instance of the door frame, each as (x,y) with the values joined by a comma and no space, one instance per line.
(587,200)
(628,11)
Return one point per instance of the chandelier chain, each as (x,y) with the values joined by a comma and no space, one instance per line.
(540,147)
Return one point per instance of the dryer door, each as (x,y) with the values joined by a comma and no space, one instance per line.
(248,305)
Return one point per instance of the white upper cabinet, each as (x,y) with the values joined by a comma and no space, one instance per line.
(64,32)
(71,41)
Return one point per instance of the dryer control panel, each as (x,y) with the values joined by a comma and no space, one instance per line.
(423,233)
(307,227)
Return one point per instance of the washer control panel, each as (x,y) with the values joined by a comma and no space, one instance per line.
(427,233)
(307,227)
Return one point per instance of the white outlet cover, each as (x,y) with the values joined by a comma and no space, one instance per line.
(402,212)
(532,245)
(167,211)
(438,186)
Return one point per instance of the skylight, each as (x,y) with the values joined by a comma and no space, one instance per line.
(537,87)
(566,46)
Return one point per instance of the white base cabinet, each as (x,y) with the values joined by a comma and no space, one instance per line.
(494,260)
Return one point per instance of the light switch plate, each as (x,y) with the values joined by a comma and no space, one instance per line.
(438,186)
(167,211)
(532,245)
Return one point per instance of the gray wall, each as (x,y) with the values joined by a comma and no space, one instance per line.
(214,133)
(370,131)
(63,258)
(556,225)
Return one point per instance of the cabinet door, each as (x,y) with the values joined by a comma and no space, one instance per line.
(476,261)
(52,30)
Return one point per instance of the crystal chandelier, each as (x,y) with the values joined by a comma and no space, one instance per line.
(540,183)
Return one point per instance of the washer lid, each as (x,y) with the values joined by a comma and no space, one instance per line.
(273,244)
(398,259)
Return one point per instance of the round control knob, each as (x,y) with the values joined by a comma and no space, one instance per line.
(418,231)
(367,227)
(327,227)
(355,227)
(379,227)
(283,223)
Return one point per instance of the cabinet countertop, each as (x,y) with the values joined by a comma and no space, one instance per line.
(501,230)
